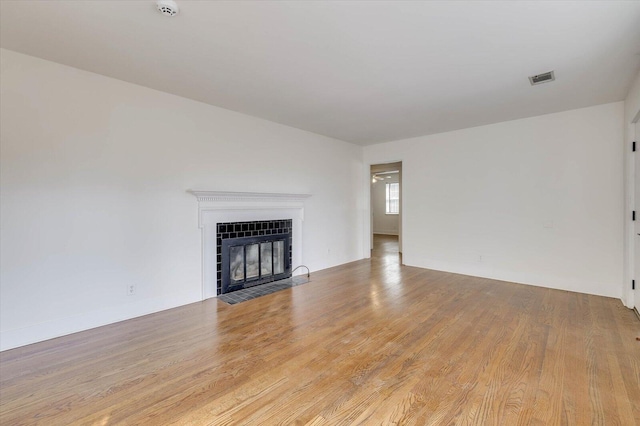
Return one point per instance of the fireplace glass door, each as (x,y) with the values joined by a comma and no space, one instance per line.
(236,256)
(278,257)
(253,261)
(266,259)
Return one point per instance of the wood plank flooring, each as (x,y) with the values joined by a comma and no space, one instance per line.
(370,342)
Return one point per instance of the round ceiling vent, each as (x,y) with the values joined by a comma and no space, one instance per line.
(167,7)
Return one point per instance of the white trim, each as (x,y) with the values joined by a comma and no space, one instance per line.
(632,299)
(629,296)
(220,206)
(246,196)
(93,318)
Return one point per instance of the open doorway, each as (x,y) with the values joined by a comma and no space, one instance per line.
(386,208)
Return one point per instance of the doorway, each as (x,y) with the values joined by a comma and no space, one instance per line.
(386,207)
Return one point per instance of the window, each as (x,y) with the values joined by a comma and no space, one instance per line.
(393,198)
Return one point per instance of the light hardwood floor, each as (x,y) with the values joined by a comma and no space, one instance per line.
(370,342)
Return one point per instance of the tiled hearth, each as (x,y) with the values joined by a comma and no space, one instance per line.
(262,290)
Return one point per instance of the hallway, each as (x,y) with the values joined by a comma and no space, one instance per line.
(385,249)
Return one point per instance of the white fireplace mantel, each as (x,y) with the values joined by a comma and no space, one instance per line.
(266,197)
(222,206)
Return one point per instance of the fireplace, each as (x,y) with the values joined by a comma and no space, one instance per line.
(253,253)
(237,215)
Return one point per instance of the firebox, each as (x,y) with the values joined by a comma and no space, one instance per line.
(253,253)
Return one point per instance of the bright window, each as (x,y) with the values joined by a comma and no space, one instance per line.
(393,198)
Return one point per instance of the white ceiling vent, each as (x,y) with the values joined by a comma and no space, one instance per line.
(542,78)
(167,7)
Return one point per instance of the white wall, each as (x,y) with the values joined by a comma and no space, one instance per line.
(631,111)
(536,201)
(383,223)
(94,172)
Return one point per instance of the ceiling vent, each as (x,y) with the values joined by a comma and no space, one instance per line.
(542,78)
(167,7)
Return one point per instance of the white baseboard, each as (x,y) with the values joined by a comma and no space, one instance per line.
(10,339)
(487,270)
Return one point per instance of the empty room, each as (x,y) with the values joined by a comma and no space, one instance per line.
(319,212)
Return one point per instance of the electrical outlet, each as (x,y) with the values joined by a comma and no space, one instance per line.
(131,289)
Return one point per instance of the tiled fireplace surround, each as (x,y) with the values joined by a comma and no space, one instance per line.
(222,208)
(258,228)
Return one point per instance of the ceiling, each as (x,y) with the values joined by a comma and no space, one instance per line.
(360,71)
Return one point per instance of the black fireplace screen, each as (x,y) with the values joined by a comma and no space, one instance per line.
(250,261)
(274,230)
(255,260)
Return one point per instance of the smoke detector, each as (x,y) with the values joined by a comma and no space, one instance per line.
(167,7)
(542,78)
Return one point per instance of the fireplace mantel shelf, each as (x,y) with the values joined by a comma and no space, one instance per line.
(246,196)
